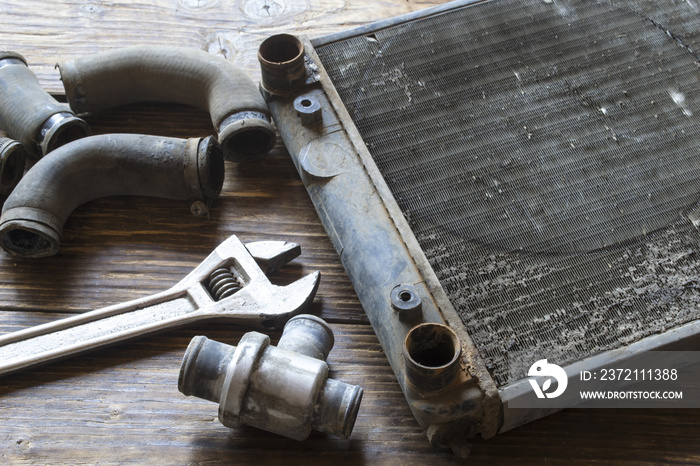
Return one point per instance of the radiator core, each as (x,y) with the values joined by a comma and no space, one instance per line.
(545,155)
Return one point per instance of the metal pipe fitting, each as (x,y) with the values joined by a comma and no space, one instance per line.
(282,63)
(431,355)
(283,389)
(29,114)
(171,74)
(13,159)
(98,166)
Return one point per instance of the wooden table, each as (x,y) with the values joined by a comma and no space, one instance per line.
(121,405)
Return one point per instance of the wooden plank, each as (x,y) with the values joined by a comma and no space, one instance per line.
(121,405)
(46,31)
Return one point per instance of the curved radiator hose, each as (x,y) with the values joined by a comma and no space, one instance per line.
(171,74)
(98,166)
(29,114)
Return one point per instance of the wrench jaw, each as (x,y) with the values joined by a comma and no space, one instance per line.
(249,261)
(271,255)
(289,301)
(260,304)
(224,254)
(255,302)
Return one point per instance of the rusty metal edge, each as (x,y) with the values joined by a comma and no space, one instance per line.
(683,338)
(492,406)
(391,22)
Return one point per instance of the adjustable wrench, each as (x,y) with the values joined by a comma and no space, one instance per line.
(230,284)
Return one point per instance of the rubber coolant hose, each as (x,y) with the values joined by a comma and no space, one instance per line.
(32,217)
(13,159)
(180,75)
(29,114)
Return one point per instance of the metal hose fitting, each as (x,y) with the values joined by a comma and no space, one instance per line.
(13,159)
(283,389)
(171,74)
(282,63)
(29,114)
(98,166)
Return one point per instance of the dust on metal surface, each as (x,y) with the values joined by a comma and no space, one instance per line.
(545,156)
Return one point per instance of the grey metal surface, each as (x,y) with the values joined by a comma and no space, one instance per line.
(258,303)
(284,389)
(545,157)
(380,254)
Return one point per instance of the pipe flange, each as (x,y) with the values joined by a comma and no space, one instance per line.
(11,58)
(204,168)
(210,167)
(235,386)
(246,135)
(282,63)
(60,129)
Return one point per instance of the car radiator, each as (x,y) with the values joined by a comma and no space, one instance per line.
(505,181)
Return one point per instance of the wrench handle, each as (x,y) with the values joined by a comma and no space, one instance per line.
(81,333)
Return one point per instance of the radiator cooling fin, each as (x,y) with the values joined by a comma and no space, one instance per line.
(545,155)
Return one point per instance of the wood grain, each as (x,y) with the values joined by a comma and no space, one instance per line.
(121,405)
